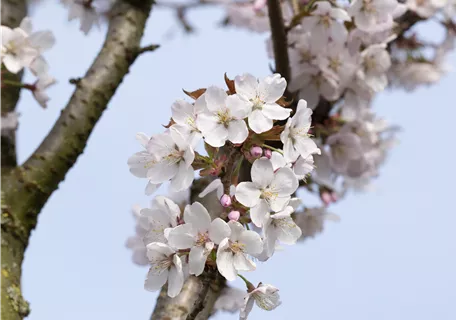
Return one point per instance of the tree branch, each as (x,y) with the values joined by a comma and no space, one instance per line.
(279,39)
(25,189)
(12,14)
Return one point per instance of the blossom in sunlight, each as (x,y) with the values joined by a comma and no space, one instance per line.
(17,52)
(425,8)
(165,266)
(268,191)
(198,234)
(233,251)
(325,23)
(162,217)
(184,114)
(265,296)
(223,118)
(344,147)
(87,11)
(375,63)
(369,15)
(295,136)
(136,243)
(280,227)
(39,87)
(260,98)
(311,221)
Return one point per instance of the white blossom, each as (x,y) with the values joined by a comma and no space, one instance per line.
(265,296)
(136,243)
(295,138)
(199,234)
(223,118)
(268,190)
(280,227)
(168,156)
(166,266)
(311,221)
(373,15)
(233,250)
(375,63)
(17,52)
(260,98)
(425,8)
(325,23)
(162,217)
(88,11)
(184,114)
(43,82)
(345,147)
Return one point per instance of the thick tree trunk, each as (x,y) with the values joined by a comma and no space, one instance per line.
(26,189)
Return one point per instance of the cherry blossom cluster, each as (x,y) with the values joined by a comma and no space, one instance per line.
(237,126)
(23,48)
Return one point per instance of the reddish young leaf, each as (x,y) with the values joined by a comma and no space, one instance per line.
(171,122)
(230,84)
(195,94)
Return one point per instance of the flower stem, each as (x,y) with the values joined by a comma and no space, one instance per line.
(250,286)
(13,83)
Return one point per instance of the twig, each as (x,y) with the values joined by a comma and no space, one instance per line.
(279,39)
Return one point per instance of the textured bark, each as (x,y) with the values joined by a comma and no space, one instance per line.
(25,189)
(13,11)
(199,294)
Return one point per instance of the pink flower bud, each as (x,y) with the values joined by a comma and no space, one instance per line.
(268,153)
(234,215)
(259,4)
(334,197)
(326,198)
(256,152)
(225,201)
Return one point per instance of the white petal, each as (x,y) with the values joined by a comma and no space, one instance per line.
(197,215)
(162,171)
(275,112)
(252,242)
(197,260)
(217,136)
(272,88)
(219,230)
(248,306)
(258,122)
(154,282)
(183,178)
(206,122)
(225,261)
(237,131)
(215,98)
(306,147)
(175,278)
(246,86)
(11,63)
(42,40)
(159,248)
(277,160)
(151,188)
(262,172)
(178,138)
(182,111)
(241,263)
(236,230)
(289,232)
(258,213)
(247,194)
(279,203)
(239,108)
(182,236)
(285,181)
(214,185)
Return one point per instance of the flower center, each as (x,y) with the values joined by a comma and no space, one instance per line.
(269,194)
(325,21)
(175,156)
(285,223)
(237,247)
(191,122)
(224,117)
(160,265)
(202,238)
(257,103)
(370,63)
(335,64)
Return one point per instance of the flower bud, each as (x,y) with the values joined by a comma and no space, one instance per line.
(259,4)
(256,151)
(268,153)
(326,198)
(234,215)
(225,201)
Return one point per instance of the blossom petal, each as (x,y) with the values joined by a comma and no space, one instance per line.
(258,122)
(175,277)
(197,215)
(275,112)
(197,259)
(162,171)
(225,261)
(219,230)
(183,179)
(285,181)
(182,236)
(241,263)
(182,111)
(239,108)
(154,282)
(247,308)
(272,88)
(246,86)
(237,131)
(252,242)
(247,194)
(262,172)
(258,213)
(215,98)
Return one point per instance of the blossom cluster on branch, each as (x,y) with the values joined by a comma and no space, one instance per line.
(23,48)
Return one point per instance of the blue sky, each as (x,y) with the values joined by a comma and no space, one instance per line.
(391,257)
